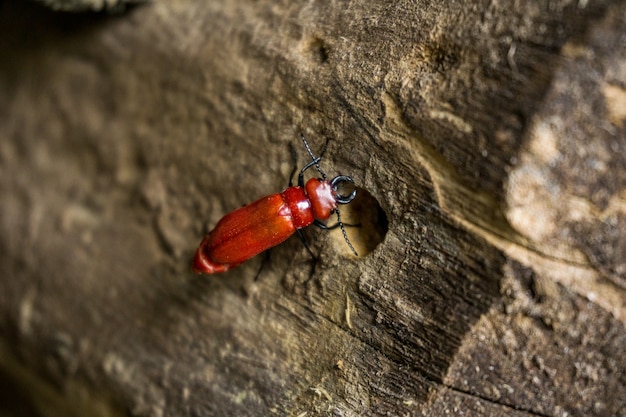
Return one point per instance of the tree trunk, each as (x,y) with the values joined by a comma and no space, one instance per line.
(488,144)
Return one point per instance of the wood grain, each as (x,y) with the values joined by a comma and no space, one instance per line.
(487,141)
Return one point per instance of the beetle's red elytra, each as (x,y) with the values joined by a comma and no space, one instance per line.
(270,220)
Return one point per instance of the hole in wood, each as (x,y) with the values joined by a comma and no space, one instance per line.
(366,212)
(318,50)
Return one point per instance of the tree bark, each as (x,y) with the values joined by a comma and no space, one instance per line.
(487,141)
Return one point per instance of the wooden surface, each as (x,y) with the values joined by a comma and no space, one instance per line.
(75,6)
(488,144)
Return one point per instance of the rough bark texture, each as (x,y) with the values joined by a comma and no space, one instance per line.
(488,142)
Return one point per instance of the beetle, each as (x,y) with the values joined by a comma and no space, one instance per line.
(270,220)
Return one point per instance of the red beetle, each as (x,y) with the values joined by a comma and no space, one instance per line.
(254,228)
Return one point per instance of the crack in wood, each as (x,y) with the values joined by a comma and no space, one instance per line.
(492,401)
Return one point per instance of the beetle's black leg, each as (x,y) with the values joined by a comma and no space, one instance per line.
(294,156)
(341,225)
(266,258)
(315,258)
(306,245)
(324,226)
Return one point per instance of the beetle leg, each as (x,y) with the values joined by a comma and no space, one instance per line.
(294,156)
(324,226)
(266,258)
(341,225)
(306,245)
(315,258)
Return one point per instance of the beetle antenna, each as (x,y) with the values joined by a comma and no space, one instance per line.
(313,157)
(343,231)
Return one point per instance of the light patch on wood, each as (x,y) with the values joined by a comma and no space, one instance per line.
(348,308)
(615,103)
(544,143)
(531,202)
(321,392)
(453,119)
(27,312)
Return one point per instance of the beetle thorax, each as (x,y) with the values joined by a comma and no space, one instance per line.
(322,196)
(298,207)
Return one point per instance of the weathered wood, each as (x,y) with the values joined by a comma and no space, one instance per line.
(488,144)
(110,6)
